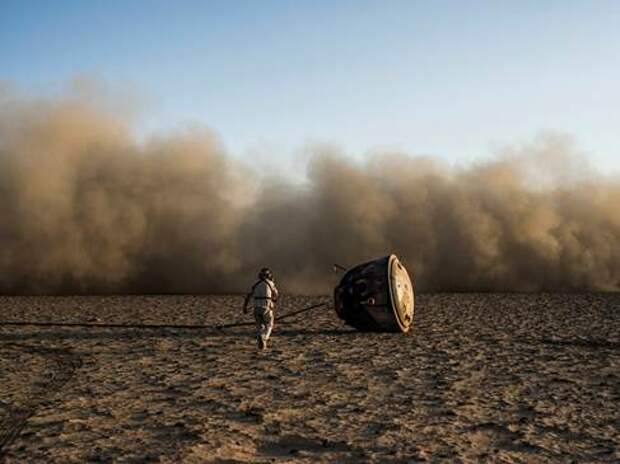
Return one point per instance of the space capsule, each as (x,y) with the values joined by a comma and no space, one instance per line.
(376,296)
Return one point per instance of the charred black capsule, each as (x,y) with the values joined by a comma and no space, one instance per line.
(376,296)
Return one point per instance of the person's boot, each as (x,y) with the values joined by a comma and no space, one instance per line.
(261,343)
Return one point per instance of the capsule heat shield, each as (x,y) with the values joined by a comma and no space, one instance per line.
(376,296)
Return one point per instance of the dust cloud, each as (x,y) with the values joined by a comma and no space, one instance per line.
(87,208)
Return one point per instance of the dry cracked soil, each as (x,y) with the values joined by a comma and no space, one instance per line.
(512,378)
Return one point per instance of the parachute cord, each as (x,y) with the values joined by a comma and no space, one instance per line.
(279,318)
(154,326)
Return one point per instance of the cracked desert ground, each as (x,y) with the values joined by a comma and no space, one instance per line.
(481,378)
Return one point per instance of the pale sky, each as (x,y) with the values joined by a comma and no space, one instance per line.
(455,79)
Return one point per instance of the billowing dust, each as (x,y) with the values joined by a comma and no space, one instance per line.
(87,207)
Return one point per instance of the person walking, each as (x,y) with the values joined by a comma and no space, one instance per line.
(262,297)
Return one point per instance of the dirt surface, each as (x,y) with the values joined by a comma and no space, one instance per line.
(482,377)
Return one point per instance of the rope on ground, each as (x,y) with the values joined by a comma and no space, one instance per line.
(104,325)
(153,326)
(279,318)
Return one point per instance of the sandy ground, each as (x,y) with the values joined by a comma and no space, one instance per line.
(481,378)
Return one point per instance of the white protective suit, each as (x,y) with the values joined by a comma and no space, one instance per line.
(263,296)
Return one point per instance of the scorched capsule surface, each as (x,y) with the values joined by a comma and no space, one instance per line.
(376,296)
